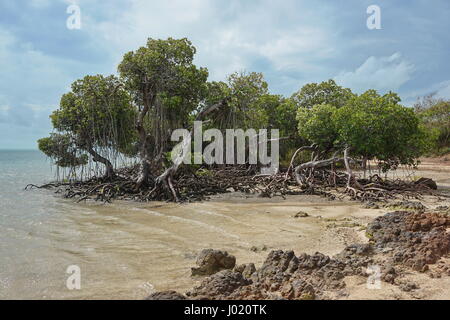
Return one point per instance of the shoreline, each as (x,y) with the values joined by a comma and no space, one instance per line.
(128,249)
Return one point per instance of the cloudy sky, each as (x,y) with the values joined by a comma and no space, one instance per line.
(292,42)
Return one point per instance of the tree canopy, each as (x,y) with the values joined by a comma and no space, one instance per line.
(96,116)
(378,127)
(61,149)
(372,126)
(435,116)
(166,87)
(327,92)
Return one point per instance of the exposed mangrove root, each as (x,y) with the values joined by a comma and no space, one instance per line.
(185,184)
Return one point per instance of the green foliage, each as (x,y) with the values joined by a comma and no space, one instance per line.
(165,69)
(244,110)
(373,126)
(97,112)
(166,86)
(435,117)
(161,66)
(247,91)
(376,126)
(62,151)
(216,91)
(252,106)
(161,89)
(327,92)
(277,113)
(281,114)
(317,125)
(316,104)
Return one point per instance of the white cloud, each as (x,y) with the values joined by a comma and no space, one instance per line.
(440,89)
(288,48)
(33,84)
(443,89)
(380,73)
(229,36)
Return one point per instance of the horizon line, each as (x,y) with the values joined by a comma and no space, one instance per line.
(19,149)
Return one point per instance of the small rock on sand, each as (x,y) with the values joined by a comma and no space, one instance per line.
(301,214)
(430,183)
(212,261)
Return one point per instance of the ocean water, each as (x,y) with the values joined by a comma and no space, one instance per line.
(123,250)
(42,235)
(25,217)
(126,250)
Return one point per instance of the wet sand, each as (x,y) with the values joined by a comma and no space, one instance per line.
(126,250)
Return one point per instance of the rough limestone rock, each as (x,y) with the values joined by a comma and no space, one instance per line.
(285,276)
(219,286)
(247,270)
(166,295)
(401,239)
(408,286)
(212,261)
(418,239)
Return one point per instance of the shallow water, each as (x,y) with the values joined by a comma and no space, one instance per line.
(126,250)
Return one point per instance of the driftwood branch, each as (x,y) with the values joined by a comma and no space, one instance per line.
(312,147)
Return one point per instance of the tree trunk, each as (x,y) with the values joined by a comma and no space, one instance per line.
(98,158)
(364,166)
(144,143)
(351,176)
(166,178)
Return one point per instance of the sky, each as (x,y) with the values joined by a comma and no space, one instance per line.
(293,42)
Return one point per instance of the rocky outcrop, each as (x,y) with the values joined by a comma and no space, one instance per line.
(212,261)
(285,276)
(401,239)
(166,295)
(219,286)
(247,270)
(417,239)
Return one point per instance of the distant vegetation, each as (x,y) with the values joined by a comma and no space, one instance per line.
(434,115)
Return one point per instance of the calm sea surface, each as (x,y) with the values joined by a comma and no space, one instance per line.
(41,235)
(125,250)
